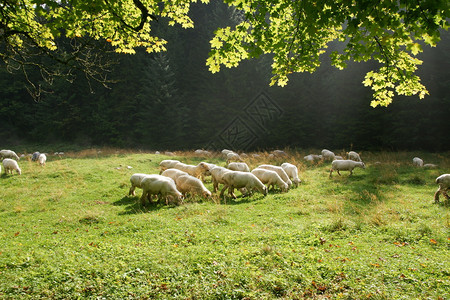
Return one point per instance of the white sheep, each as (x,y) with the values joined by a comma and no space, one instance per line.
(312,157)
(189,184)
(217,176)
(201,152)
(417,162)
(205,167)
(233,157)
(279,153)
(444,186)
(353,156)
(196,171)
(328,155)
(338,157)
(136,180)
(281,172)
(271,178)
(235,166)
(9,154)
(167,164)
(346,165)
(11,165)
(291,171)
(173,173)
(163,187)
(226,151)
(237,179)
(42,159)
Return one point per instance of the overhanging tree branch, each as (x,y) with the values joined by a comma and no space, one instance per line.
(145,15)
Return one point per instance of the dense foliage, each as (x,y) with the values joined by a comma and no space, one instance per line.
(169,100)
(295,33)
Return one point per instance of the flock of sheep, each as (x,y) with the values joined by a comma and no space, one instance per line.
(10,161)
(178,180)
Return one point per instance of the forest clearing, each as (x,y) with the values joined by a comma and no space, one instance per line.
(69,229)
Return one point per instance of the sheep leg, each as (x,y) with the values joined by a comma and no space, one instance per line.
(230,192)
(331,171)
(338,172)
(223,190)
(215,186)
(144,195)
(351,172)
(167,199)
(131,192)
(436,195)
(444,192)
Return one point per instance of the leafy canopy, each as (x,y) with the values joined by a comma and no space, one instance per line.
(295,33)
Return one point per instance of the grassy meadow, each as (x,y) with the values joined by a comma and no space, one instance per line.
(69,230)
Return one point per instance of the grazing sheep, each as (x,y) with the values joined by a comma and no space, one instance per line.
(417,162)
(352,155)
(271,178)
(189,184)
(338,157)
(237,179)
(279,153)
(35,156)
(11,165)
(281,172)
(9,154)
(201,152)
(292,171)
(345,165)
(328,155)
(205,167)
(42,159)
(233,157)
(217,176)
(444,186)
(226,151)
(168,153)
(136,180)
(167,164)
(312,157)
(163,187)
(173,173)
(196,171)
(235,166)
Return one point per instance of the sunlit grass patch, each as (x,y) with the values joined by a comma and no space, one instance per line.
(71,229)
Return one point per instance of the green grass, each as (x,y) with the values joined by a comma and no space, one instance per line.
(69,230)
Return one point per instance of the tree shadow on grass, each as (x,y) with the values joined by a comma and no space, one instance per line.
(363,189)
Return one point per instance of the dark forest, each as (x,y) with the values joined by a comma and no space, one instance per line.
(170,101)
